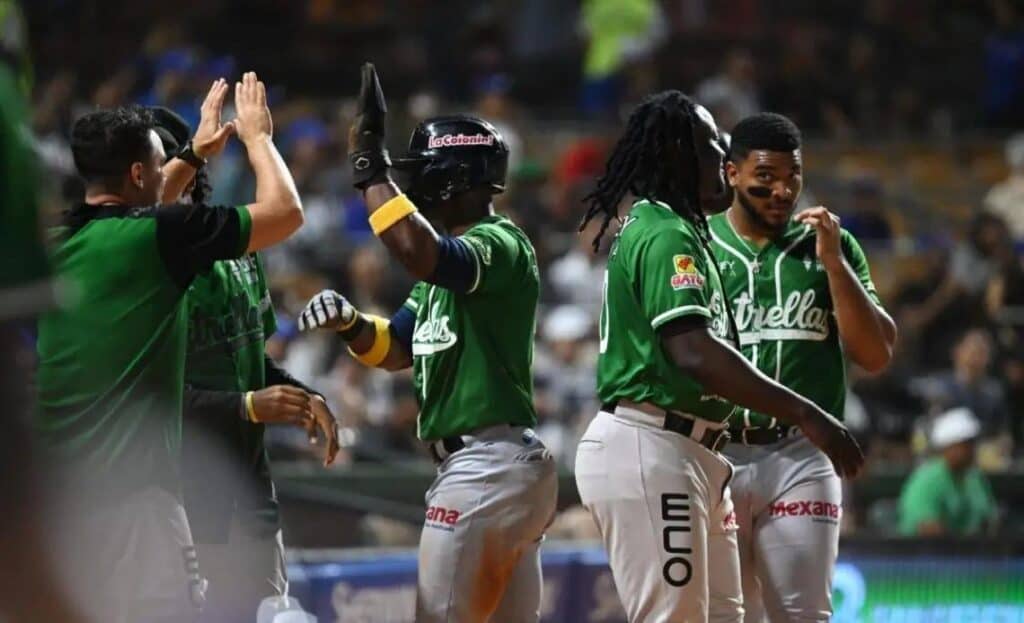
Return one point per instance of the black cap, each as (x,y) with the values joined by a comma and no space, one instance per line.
(173,130)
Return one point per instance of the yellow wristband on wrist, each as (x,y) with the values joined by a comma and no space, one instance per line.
(250,408)
(381,343)
(394,210)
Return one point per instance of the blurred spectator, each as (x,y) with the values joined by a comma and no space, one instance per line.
(578,276)
(1006,199)
(565,374)
(867,217)
(731,95)
(970,384)
(493,105)
(948,495)
(1004,67)
(619,31)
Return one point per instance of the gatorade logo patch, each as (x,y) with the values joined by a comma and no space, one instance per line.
(459,140)
(687,276)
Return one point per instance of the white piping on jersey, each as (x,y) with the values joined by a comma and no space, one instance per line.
(750,283)
(476,261)
(697,310)
(778,300)
(752,338)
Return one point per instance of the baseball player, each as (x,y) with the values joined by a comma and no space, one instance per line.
(467,331)
(112,360)
(648,467)
(232,391)
(801,293)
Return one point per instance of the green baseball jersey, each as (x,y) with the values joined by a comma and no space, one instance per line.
(783,310)
(658,270)
(24,287)
(230,317)
(112,360)
(472,353)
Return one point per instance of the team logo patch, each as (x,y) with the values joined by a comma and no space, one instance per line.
(817,510)
(441,518)
(687,276)
(459,140)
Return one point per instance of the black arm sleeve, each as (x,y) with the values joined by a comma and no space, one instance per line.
(276,375)
(402,325)
(207,404)
(192,237)
(456,268)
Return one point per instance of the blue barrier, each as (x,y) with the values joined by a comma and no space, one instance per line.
(374,587)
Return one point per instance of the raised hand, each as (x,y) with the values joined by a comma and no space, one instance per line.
(282,404)
(211,135)
(826,225)
(327,310)
(366,136)
(253,122)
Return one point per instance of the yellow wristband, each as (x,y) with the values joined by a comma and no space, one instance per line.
(250,408)
(393,210)
(381,343)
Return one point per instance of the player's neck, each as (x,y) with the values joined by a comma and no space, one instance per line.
(748,229)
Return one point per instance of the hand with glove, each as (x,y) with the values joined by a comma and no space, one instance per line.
(366,137)
(327,310)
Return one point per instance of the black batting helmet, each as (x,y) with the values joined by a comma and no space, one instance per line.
(450,155)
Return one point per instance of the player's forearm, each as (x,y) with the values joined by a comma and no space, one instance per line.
(177,176)
(868,333)
(411,240)
(364,337)
(277,212)
(207,404)
(723,371)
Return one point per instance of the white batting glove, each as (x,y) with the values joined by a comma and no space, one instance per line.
(327,310)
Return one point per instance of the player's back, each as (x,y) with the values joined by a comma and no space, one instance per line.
(473,352)
(111,358)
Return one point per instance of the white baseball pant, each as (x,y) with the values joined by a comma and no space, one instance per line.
(788,505)
(479,557)
(661,502)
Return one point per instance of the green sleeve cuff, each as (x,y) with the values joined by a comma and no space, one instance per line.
(244,229)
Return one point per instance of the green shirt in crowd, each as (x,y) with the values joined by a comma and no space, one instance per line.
(658,270)
(473,352)
(962,504)
(784,312)
(112,360)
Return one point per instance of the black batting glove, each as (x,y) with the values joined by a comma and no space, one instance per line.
(366,137)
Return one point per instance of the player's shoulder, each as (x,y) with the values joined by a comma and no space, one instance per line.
(651,222)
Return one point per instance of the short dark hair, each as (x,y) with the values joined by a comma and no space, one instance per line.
(106,142)
(767,130)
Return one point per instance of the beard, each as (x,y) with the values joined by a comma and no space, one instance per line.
(754,217)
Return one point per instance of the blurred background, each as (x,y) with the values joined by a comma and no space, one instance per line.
(910,111)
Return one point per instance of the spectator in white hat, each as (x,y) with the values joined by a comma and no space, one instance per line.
(948,494)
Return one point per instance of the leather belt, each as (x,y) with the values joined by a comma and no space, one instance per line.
(763,436)
(705,432)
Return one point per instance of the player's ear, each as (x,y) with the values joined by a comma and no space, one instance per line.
(732,173)
(135,173)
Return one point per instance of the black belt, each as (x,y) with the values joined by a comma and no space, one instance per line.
(762,436)
(713,440)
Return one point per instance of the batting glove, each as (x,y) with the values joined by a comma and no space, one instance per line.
(366,137)
(327,310)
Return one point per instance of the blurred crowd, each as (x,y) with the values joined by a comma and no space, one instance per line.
(943,232)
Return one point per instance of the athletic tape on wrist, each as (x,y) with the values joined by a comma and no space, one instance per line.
(393,210)
(381,343)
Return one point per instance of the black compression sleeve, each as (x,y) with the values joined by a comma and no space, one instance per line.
(207,404)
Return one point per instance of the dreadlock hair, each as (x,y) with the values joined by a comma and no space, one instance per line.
(654,159)
(201,188)
(767,130)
